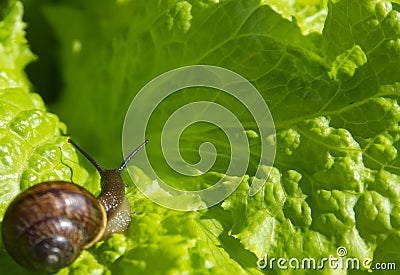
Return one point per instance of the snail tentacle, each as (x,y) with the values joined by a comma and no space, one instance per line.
(46,227)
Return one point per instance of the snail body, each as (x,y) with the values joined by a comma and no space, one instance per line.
(46,227)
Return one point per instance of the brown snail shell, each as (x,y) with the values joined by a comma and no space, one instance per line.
(46,227)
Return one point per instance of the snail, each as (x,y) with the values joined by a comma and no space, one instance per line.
(46,227)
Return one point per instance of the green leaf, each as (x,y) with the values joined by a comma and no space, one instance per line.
(32,146)
(329,73)
(347,62)
(15,53)
(333,96)
(310,15)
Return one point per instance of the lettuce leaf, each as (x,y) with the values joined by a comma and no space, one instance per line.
(330,76)
(32,146)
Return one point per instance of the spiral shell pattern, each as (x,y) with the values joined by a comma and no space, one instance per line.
(46,226)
